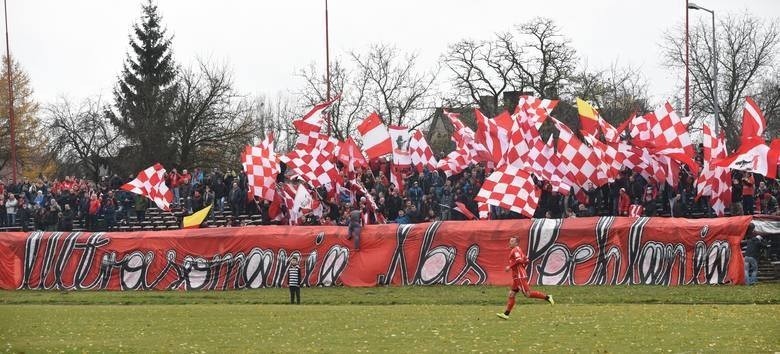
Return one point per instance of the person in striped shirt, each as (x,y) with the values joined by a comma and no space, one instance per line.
(294,280)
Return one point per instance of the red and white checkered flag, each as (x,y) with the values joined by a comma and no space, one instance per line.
(314,165)
(582,161)
(261,167)
(455,162)
(510,188)
(545,164)
(422,155)
(484,210)
(310,125)
(714,181)
(151,184)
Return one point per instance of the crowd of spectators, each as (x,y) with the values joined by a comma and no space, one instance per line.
(427,196)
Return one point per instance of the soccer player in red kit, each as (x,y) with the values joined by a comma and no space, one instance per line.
(517,263)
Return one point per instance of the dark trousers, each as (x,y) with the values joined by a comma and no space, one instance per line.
(295,294)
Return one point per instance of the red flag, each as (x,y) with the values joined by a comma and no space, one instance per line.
(465,211)
(753,121)
(376,139)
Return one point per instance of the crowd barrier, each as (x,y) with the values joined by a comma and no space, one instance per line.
(577,251)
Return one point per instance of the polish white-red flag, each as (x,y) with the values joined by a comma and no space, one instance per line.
(753,121)
(510,188)
(401,139)
(376,139)
(151,184)
(351,155)
(754,156)
(422,155)
(261,167)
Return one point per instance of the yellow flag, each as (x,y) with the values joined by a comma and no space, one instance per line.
(193,221)
(588,116)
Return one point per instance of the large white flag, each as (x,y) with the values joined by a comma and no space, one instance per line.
(400,137)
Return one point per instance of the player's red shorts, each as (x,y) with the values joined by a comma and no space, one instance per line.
(520,284)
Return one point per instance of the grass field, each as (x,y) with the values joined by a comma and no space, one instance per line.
(395,319)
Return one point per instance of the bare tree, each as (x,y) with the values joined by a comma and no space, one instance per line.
(747,51)
(82,135)
(544,61)
(768,99)
(212,121)
(395,89)
(535,58)
(617,92)
(345,113)
(276,116)
(480,72)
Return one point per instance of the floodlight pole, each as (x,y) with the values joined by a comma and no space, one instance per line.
(10,96)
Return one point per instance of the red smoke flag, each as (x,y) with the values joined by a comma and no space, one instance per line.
(151,184)
(376,139)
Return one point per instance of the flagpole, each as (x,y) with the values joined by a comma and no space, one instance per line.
(10,96)
(327,64)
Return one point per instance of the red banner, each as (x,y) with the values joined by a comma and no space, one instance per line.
(578,251)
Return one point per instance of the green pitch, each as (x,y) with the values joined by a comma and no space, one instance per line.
(408,319)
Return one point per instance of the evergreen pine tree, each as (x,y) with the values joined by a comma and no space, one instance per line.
(145,94)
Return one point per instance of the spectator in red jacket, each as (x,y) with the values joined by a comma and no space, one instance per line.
(92,214)
(624,202)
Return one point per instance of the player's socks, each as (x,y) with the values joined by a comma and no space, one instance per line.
(510,303)
(537,295)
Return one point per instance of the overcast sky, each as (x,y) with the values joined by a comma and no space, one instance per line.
(76,48)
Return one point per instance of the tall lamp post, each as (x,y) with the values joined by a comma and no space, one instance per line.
(10,96)
(687,68)
(714,63)
(327,64)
